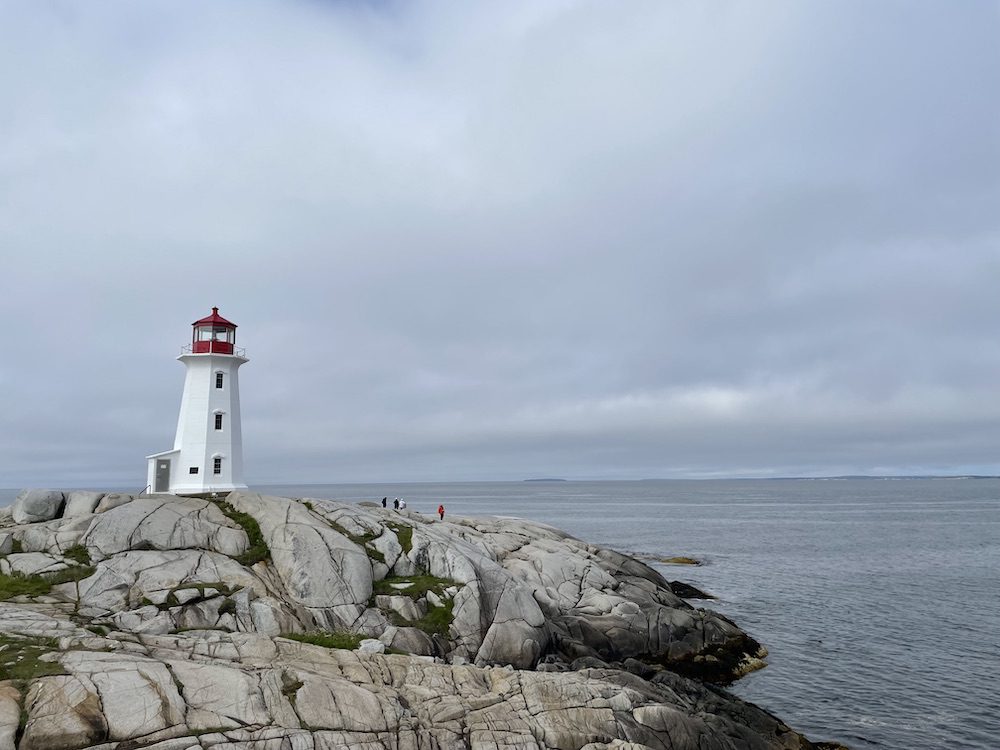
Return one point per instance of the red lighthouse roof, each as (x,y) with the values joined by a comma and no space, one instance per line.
(214,319)
(213,335)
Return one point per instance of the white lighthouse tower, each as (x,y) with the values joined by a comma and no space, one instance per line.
(208,449)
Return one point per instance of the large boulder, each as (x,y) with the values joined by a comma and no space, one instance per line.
(52,536)
(10,714)
(31,563)
(81,503)
(167,578)
(321,569)
(112,500)
(32,506)
(164,524)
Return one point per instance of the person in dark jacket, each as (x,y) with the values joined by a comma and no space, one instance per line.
(384,499)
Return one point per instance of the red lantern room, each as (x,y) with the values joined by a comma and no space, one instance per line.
(213,335)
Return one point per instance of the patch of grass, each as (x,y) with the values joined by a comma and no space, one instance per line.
(329,639)
(359,539)
(20,658)
(438,619)
(404,535)
(78,554)
(101,630)
(419,586)
(362,540)
(40,584)
(257,551)
(72,573)
(309,505)
(435,622)
(18,584)
(228,607)
(22,724)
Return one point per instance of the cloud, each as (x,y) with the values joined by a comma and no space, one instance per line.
(504,239)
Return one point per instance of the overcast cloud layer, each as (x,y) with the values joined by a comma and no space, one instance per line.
(504,240)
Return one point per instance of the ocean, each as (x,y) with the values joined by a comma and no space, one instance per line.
(879,600)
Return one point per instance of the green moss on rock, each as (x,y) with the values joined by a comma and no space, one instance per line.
(258,550)
(20,658)
(18,584)
(39,584)
(437,621)
(404,535)
(417,587)
(78,554)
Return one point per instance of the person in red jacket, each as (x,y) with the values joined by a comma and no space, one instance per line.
(441,511)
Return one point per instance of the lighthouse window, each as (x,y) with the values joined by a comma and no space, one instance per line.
(193,470)
(218,425)
(218,380)
(217,466)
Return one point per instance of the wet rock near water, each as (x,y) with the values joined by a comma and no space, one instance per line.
(687,591)
(263,622)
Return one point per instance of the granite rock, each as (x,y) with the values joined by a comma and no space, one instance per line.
(246,692)
(32,506)
(514,634)
(163,524)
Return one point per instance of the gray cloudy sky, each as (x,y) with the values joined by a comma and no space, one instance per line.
(499,240)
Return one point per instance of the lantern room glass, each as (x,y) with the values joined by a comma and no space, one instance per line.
(215,333)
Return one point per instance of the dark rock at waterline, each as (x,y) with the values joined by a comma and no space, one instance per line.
(687,591)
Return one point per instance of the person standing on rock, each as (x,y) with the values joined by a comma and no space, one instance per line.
(402,504)
(395,504)
(384,499)
(441,511)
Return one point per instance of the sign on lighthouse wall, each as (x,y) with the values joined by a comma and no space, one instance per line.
(208,447)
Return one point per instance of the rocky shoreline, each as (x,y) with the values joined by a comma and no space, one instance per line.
(266,623)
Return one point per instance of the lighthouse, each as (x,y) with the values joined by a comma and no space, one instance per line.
(207,455)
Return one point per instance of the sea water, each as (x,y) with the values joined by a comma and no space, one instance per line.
(879,600)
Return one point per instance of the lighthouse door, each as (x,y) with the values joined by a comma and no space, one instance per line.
(162,476)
